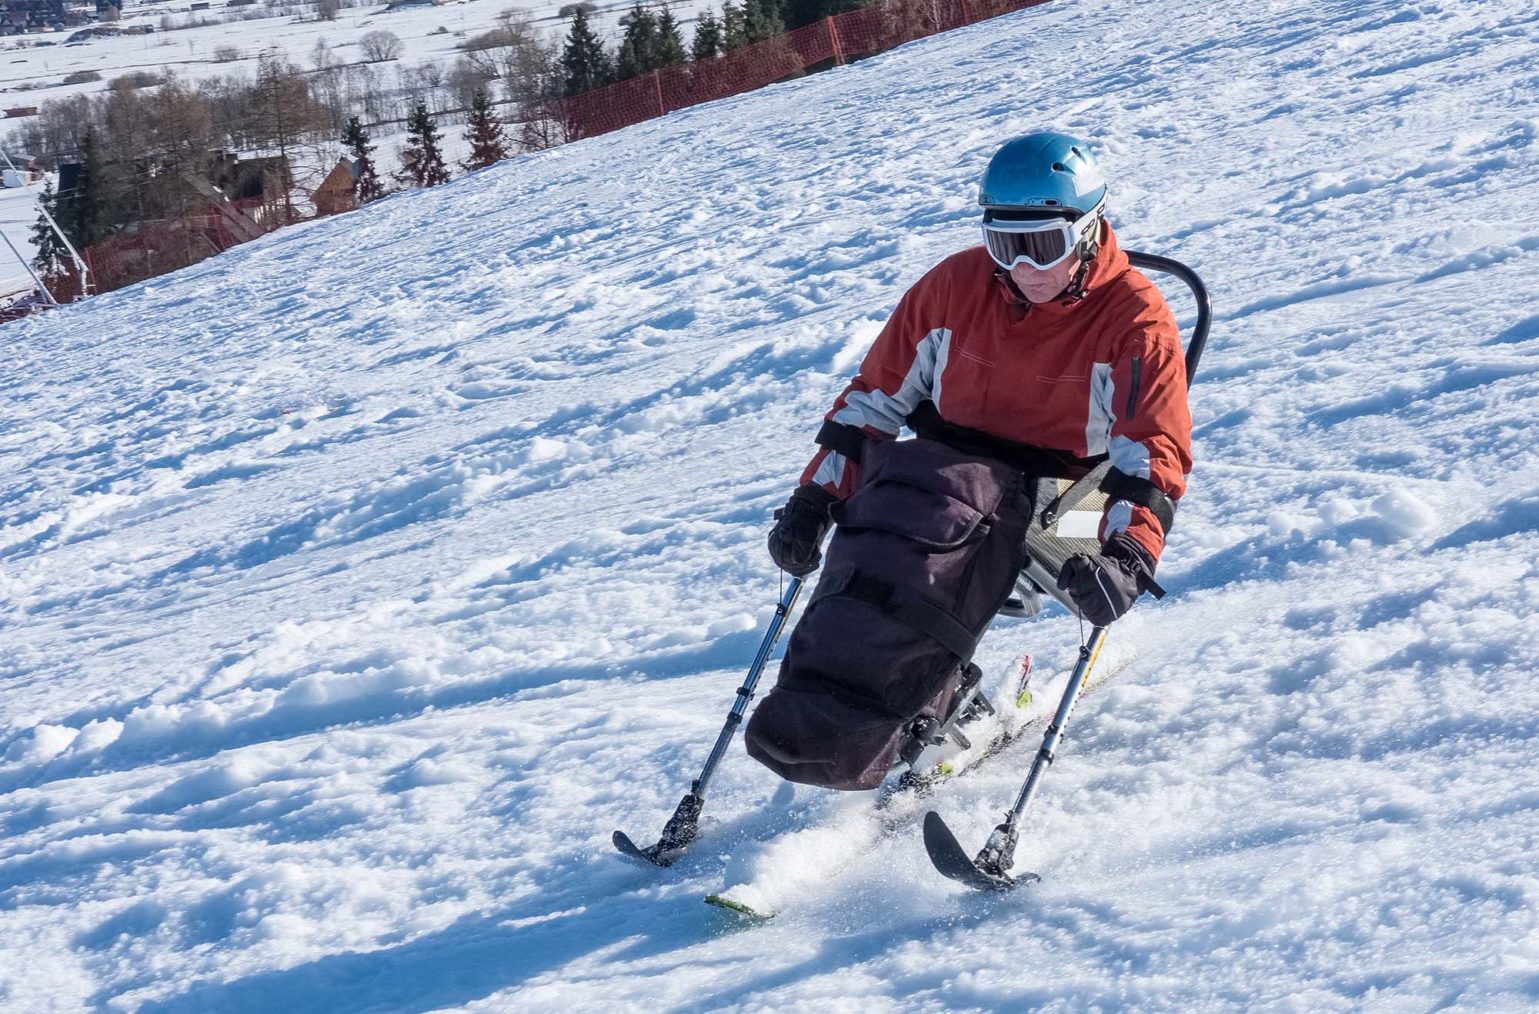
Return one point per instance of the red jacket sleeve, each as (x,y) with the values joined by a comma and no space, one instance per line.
(896,375)
(1151,431)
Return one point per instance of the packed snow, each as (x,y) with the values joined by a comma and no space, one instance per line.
(359,582)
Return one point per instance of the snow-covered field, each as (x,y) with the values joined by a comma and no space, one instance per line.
(427,33)
(359,582)
(33,67)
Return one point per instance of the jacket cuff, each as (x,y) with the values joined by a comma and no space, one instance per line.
(1127,550)
(816,496)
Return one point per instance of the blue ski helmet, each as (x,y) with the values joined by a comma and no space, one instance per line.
(1043,172)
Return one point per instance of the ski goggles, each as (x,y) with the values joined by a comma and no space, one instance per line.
(1041,240)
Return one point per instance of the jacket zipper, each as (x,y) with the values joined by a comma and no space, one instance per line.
(1137,370)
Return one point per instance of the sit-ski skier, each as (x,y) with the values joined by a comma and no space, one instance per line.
(1035,354)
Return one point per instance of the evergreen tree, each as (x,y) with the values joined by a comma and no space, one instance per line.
(670,44)
(483,130)
(734,26)
(422,161)
(638,49)
(584,63)
(799,13)
(708,41)
(52,257)
(82,212)
(763,20)
(366,184)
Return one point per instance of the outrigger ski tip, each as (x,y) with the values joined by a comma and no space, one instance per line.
(654,854)
(684,826)
(951,860)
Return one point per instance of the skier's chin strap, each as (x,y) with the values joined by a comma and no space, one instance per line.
(1087,253)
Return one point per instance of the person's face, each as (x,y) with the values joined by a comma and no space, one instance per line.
(1040,285)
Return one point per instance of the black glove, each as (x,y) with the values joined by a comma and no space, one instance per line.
(1104,587)
(799,529)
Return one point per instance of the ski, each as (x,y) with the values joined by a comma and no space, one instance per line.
(898,806)
(739,908)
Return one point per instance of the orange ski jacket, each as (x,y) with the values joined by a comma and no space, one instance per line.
(1103,375)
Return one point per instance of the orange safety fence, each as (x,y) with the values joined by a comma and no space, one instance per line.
(833,40)
(161,246)
(158,247)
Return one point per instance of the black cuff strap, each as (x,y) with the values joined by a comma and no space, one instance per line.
(1121,486)
(842,438)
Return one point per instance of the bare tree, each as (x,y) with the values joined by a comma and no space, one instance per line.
(179,146)
(56,129)
(430,78)
(126,141)
(286,117)
(544,126)
(380,46)
(230,106)
(366,90)
(465,80)
(327,86)
(512,53)
(320,55)
(424,81)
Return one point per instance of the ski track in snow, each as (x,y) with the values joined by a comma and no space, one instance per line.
(354,585)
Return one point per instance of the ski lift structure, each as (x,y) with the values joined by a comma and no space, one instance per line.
(43,297)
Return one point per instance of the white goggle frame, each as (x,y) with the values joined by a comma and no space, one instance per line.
(1022,241)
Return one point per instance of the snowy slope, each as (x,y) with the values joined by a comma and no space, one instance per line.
(359,582)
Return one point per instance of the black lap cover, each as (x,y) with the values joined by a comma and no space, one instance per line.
(924,555)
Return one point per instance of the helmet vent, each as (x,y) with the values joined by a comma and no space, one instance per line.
(1047,172)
